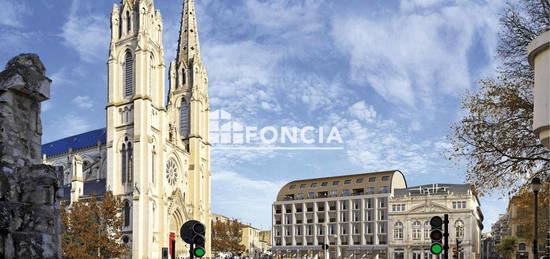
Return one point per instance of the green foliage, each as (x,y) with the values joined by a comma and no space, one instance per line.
(507,246)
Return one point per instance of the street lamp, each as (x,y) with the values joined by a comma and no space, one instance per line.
(536,186)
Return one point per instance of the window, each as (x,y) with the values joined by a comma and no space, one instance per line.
(459,204)
(372,179)
(324,183)
(333,193)
(370,190)
(128,75)
(292,187)
(398,231)
(385,178)
(335,182)
(126,211)
(151,73)
(300,196)
(128,22)
(459,228)
(313,185)
(345,192)
(347,182)
(398,207)
(127,157)
(360,180)
(312,195)
(416,234)
(522,247)
(384,189)
(184,118)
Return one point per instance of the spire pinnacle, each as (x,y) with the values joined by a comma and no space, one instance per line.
(188,43)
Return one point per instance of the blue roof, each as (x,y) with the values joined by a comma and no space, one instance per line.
(90,187)
(76,142)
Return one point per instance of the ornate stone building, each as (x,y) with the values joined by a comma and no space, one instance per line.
(154,151)
(411,209)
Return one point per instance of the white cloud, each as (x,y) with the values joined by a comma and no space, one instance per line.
(363,111)
(83,101)
(238,196)
(410,57)
(285,13)
(64,126)
(243,75)
(11,12)
(88,34)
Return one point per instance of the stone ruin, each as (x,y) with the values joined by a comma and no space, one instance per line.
(30,192)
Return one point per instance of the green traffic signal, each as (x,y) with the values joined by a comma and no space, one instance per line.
(199,251)
(436,248)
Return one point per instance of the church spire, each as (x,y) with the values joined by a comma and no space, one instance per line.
(188,43)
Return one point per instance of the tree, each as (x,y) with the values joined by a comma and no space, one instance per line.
(507,246)
(92,228)
(525,211)
(495,137)
(227,237)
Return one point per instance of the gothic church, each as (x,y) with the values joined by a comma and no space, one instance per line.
(154,151)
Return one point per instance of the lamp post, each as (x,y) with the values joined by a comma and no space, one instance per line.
(536,186)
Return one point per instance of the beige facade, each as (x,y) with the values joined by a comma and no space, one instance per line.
(153,154)
(411,209)
(349,213)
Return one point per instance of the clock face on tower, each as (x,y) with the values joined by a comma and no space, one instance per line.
(184,118)
(171,172)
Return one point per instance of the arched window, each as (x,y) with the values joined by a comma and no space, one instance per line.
(398,230)
(130,162)
(126,213)
(127,157)
(128,75)
(522,247)
(184,118)
(123,162)
(128,22)
(151,74)
(459,227)
(416,232)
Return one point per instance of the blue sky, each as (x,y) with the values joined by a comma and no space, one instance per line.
(387,74)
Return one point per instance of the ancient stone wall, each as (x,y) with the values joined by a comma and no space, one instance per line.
(30,192)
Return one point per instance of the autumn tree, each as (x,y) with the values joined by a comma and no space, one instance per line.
(523,217)
(507,246)
(92,228)
(495,137)
(227,237)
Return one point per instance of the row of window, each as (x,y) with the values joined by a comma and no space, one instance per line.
(336,193)
(334,183)
(416,233)
(355,204)
(345,229)
(344,217)
(343,240)
(401,207)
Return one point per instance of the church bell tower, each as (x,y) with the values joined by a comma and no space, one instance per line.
(135,103)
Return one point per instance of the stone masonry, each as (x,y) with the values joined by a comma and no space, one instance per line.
(29,191)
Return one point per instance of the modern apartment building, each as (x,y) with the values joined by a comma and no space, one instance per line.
(349,213)
(411,209)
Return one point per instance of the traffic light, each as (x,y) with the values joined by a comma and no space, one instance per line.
(193,232)
(436,235)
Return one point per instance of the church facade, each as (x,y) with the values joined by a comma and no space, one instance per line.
(154,152)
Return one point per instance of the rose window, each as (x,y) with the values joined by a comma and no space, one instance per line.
(171,172)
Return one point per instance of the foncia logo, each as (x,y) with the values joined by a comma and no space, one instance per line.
(225,133)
